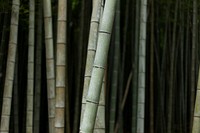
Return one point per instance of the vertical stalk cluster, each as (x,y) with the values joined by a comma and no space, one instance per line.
(60,67)
(50,69)
(30,77)
(8,87)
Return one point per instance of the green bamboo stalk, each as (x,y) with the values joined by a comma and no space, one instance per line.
(8,87)
(115,73)
(193,62)
(30,77)
(135,69)
(142,67)
(50,66)
(61,67)
(93,96)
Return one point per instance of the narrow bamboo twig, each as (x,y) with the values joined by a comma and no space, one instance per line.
(124,98)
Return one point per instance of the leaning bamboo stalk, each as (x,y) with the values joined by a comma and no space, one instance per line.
(95,85)
(91,50)
(61,67)
(8,87)
(49,63)
(30,77)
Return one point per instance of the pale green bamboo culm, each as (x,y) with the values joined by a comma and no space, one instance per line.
(95,85)
(142,67)
(30,76)
(8,87)
(50,69)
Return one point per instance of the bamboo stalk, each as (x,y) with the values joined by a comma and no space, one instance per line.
(8,87)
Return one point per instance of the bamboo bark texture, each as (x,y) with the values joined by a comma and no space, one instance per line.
(50,69)
(30,76)
(8,87)
(95,85)
(61,67)
(142,67)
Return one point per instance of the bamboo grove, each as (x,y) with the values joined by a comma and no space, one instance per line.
(99,66)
